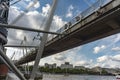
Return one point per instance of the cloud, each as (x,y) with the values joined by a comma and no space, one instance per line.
(58,21)
(97,49)
(69,12)
(60,57)
(116,49)
(28,0)
(107,58)
(82,63)
(37,5)
(116,58)
(103,58)
(45,9)
(108,61)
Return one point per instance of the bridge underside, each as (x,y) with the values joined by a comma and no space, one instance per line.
(100,24)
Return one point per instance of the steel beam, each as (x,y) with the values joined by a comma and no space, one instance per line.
(27,29)
(43,40)
(11,65)
(113,24)
(20,46)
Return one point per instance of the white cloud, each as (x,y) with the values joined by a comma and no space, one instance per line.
(103,47)
(108,58)
(58,21)
(69,12)
(116,58)
(116,49)
(82,63)
(37,4)
(60,57)
(97,49)
(28,0)
(45,9)
(108,61)
(102,58)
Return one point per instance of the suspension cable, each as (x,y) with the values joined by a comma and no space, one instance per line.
(12,55)
(88,3)
(15,2)
(25,11)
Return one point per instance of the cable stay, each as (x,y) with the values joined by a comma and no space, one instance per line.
(12,55)
(15,2)
(24,51)
(25,11)
(89,4)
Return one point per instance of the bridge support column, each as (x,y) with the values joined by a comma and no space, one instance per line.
(43,40)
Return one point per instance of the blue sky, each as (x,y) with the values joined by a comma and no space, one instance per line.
(103,52)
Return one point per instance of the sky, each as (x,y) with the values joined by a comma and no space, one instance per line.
(104,52)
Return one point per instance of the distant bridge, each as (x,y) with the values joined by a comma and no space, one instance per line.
(84,28)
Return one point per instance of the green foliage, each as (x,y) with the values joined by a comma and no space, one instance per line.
(104,72)
(58,70)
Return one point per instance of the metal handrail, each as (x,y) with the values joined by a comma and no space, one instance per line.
(96,6)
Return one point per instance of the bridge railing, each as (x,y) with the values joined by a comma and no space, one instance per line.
(96,6)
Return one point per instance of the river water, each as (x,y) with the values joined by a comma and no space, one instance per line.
(78,77)
(12,76)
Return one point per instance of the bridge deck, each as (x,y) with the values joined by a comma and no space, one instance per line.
(101,23)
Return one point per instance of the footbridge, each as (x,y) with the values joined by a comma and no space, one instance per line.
(92,24)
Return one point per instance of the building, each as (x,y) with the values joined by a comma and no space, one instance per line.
(46,65)
(66,66)
(50,66)
(97,69)
(80,67)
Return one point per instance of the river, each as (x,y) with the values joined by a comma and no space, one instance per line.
(78,77)
(68,77)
